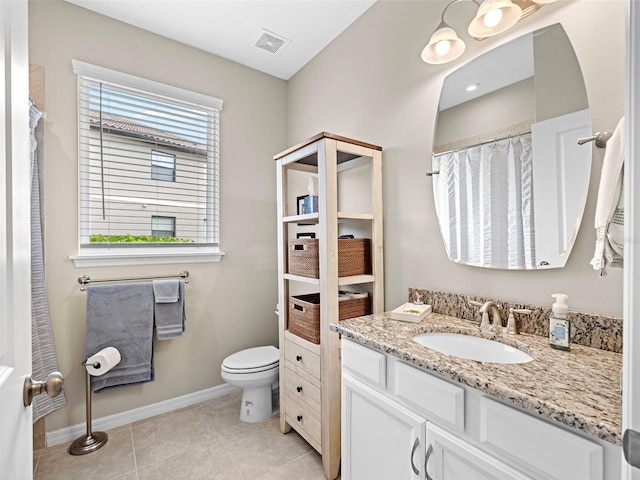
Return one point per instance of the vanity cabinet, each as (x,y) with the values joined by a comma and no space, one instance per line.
(380,439)
(399,418)
(349,202)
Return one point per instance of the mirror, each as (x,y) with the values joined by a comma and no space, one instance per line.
(512,180)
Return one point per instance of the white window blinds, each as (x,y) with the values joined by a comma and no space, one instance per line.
(147,151)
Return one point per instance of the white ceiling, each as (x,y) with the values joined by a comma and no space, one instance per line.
(231,28)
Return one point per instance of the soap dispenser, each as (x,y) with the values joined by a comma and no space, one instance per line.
(559,323)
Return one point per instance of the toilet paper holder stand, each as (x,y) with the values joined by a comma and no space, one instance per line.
(90,441)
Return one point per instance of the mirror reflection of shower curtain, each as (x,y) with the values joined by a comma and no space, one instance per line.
(484,199)
(43,351)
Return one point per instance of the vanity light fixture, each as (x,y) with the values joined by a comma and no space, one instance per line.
(492,17)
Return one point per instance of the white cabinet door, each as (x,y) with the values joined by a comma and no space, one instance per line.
(451,458)
(381,440)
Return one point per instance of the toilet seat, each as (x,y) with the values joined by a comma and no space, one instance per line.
(252,360)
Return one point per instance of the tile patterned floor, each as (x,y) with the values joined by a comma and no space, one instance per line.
(205,441)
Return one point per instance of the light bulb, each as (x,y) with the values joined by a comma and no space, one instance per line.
(443,47)
(492,17)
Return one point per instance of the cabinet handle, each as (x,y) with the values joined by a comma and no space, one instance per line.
(413,451)
(298,358)
(426,460)
(299,389)
(299,417)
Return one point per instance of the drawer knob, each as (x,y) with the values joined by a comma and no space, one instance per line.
(298,358)
(299,389)
(299,417)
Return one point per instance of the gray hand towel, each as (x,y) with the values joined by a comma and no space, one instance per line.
(166,291)
(121,316)
(169,316)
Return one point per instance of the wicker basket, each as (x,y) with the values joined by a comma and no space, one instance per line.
(354,257)
(303,257)
(304,314)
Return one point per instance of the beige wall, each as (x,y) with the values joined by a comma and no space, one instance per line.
(370,84)
(230,305)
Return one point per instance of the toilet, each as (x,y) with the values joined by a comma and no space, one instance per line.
(255,370)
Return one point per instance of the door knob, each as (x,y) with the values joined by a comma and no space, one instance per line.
(631,447)
(52,386)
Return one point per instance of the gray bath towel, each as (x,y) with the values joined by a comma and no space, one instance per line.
(169,308)
(121,316)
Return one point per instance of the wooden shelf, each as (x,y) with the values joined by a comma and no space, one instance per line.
(352,280)
(342,217)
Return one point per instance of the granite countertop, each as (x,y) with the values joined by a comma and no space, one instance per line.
(579,388)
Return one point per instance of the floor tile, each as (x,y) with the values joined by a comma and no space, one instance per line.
(263,448)
(308,467)
(200,462)
(170,435)
(113,459)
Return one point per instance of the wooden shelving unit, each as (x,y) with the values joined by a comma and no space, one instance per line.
(349,177)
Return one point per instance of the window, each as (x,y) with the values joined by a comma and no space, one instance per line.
(145,150)
(163,227)
(163,166)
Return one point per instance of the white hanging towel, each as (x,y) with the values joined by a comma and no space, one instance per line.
(609,219)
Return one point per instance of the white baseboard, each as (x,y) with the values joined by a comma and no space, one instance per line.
(69,434)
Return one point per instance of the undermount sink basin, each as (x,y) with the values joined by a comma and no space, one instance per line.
(472,348)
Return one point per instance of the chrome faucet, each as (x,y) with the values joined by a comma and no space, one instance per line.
(495,324)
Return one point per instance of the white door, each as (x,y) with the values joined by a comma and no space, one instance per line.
(381,440)
(631,310)
(15,254)
(451,458)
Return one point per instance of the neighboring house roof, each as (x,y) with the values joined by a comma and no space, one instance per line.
(119,125)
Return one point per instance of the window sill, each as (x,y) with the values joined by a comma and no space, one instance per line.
(143,258)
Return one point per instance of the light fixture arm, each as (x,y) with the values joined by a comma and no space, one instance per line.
(451,3)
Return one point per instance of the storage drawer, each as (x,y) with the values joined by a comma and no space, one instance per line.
(302,390)
(436,399)
(302,358)
(305,421)
(365,362)
(549,451)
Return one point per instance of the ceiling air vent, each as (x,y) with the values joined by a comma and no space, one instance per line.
(271,42)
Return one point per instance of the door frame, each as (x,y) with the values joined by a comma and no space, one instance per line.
(631,305)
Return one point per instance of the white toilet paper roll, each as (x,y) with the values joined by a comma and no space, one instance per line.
(103,361)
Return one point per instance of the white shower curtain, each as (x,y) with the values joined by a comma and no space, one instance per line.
(484,200)
(43,351)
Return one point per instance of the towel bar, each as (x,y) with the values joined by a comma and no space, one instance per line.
(83,280)
(600,138)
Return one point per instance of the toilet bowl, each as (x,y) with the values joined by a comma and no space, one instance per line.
(254,370)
